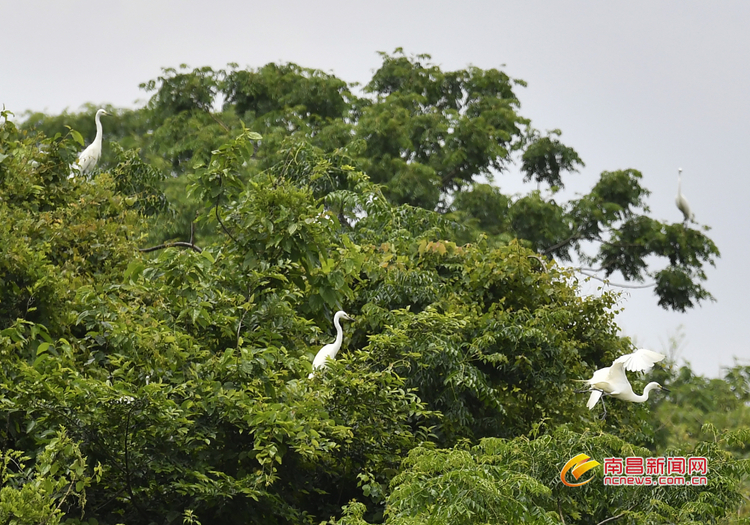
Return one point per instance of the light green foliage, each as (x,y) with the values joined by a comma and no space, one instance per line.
(518,481)
(38,494)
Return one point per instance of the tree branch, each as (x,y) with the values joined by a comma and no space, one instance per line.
(62,500)
(606,281)
(559,511)
(127,466)
(560,244)
(541,261)
(190,244)
(613,518)
(218,218)
(244,313)
(219,122)
(169,245)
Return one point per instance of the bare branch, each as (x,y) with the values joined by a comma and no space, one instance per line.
(560,244)
(613,518)
(171,244)
(218,218)
(244,313)
(216,206)
(219,122)
(606,281)
(182,244)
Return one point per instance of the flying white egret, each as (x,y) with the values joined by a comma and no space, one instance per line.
(681,201)
(90,156)
(329,351)
(612,380)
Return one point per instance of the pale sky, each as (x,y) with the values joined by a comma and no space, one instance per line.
(632,84)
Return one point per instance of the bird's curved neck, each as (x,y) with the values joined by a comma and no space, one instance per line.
(339,333)
(649,387)
(98,137)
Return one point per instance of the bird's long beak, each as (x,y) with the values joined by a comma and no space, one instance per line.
(665,389)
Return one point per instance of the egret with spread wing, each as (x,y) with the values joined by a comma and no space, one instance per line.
(613,381)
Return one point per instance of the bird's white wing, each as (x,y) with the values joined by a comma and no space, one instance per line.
(324,353)
(600,377)
(88,158)
(594,399)
(683,206)
(617,381)
(642,360)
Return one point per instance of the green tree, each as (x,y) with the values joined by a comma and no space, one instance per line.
(425,135)
(518,481)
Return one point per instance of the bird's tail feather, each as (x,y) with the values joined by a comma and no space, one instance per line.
(595,395)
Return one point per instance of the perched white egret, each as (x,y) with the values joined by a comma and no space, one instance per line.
(90,156)
(329,351)
(681,201)
(612,380)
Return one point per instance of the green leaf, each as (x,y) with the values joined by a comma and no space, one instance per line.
(77,137)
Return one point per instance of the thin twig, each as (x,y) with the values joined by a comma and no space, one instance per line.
(239,326)
(218,218)
(559,511)
(222,224)
(219,122)
(107,502)
(613,518)
(70,487)
(606,281)
(190,244)
(541,261)
(560,244)
(62,500)
(171,244)
(127,466)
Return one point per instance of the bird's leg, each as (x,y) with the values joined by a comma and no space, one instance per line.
(581,391)
(604,408)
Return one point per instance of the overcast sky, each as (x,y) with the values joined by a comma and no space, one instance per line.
(649,85)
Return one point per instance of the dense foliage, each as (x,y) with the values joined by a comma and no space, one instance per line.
(145,380)
(427,137)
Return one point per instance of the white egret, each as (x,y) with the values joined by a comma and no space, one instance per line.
(90,156)
(681,201)
(612,380)
(329,351)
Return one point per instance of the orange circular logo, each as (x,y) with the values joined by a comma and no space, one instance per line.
(580,464)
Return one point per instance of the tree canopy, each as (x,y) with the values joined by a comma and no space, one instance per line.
(158,320)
